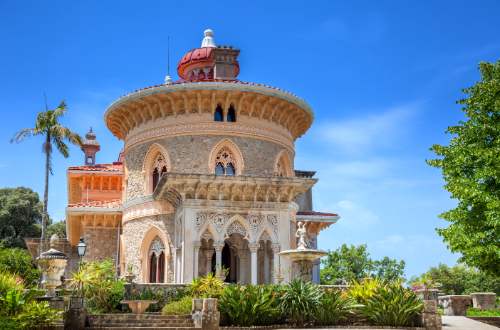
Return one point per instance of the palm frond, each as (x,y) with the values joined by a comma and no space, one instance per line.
(61,146)
(65,133)
(60,110)
(22,134)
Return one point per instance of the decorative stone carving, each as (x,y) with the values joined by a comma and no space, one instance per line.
(301,234)
(255,221)
(157,247)
(236,228)
(273,221)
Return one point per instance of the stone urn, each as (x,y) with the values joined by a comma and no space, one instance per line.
(52,263)
(138,306)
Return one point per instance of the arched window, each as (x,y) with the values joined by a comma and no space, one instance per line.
(157,261)
(283,167)
(231,114)
(159,168)
(225,163)
(218,114)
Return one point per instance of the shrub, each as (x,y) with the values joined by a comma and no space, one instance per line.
(364,290)
(19,261)
(392,305)
(103,292)
(300,300)
(12,303)
(8,323)
(179,307)
(208,286)
(36,315)
(335,308)
(9,282)
(479,312)
(249,305)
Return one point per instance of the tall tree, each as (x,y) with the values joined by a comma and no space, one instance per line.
(471,169)
(20,216)
(47,125)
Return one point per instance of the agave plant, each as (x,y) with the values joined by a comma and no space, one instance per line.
(249,305)
(335,308)
(300,300)
(393,305)
(209,286)
(364,290)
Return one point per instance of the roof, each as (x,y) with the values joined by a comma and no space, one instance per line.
(113,167)
(318,214)
(114,203)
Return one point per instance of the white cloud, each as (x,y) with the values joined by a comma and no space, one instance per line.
(361,134)
(354,215)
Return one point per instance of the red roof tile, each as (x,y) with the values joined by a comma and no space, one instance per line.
(109,204)
(114,167)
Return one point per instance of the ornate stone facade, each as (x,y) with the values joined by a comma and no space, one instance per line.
(205,182)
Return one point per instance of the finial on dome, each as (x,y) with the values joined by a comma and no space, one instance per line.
(168,79)
(208,40)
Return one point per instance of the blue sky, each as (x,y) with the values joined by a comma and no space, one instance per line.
(381,76)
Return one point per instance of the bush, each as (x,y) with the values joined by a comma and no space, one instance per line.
(249,305)
(335,308)
(36,315)
(364,290)
(179,307)
(208,286)
(300,300)
(9,282)
(103,292)
(19,261)
(393,305)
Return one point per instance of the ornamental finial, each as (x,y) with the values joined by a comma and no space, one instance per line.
(208,40)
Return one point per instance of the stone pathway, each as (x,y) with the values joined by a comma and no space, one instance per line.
(463,323)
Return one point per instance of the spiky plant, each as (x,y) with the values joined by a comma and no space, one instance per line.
(300,300)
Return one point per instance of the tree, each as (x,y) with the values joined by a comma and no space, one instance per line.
(471,169)
(20,216)
(460,279)
(47,125)
(19,262)
(58,228)
(353,263)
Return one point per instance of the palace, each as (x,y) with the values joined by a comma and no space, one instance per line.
(205,182)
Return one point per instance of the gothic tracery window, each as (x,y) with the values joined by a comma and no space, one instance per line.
(218,114)
(225,163)
(157,261)
(159,168)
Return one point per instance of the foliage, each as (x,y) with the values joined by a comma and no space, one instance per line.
(471,169)
(393,305)
(178,307)
(479,312)
(12,303)
(20,212)
(335,308)
(58,228)
(8,323)
(209,286)
(300,300)
(97,281)
(48,126)
(458,279)
(361,291)
(9,282)
(353,263)
(249,305)
(37,314)
(19,261)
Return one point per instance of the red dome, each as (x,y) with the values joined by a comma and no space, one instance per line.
(195,59)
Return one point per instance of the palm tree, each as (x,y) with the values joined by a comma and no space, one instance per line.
(47,124)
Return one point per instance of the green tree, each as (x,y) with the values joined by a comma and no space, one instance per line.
(460,279)
(353,263)
(58,228)
(19,262)
(20,215)
(47,125)
(471,169)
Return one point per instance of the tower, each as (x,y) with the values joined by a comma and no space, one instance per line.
(90,147)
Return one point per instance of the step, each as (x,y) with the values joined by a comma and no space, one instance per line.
(144,324)
(141,328)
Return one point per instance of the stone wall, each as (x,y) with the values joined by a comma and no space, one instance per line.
(190,154)
(102,243)
(134,232)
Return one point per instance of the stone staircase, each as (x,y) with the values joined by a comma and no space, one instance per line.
(141,321)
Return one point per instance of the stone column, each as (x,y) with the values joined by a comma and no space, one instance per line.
(276,262)
(218,246)
(196,250)
(266,264)
(254,247)
(208,255)
(243,266)
(174,263)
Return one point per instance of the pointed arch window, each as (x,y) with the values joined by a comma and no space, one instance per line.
(225,164)
(231,114)
(157,261)
(159,168)
(218,114)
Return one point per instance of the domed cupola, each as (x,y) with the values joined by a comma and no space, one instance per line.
(209,62)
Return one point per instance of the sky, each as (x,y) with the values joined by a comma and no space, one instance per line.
(382,77)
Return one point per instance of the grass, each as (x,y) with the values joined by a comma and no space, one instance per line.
(478,312)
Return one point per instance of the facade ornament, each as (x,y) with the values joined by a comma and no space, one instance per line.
(157,247)
(253,247)
(272,219)
(236,228)
(301,234)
